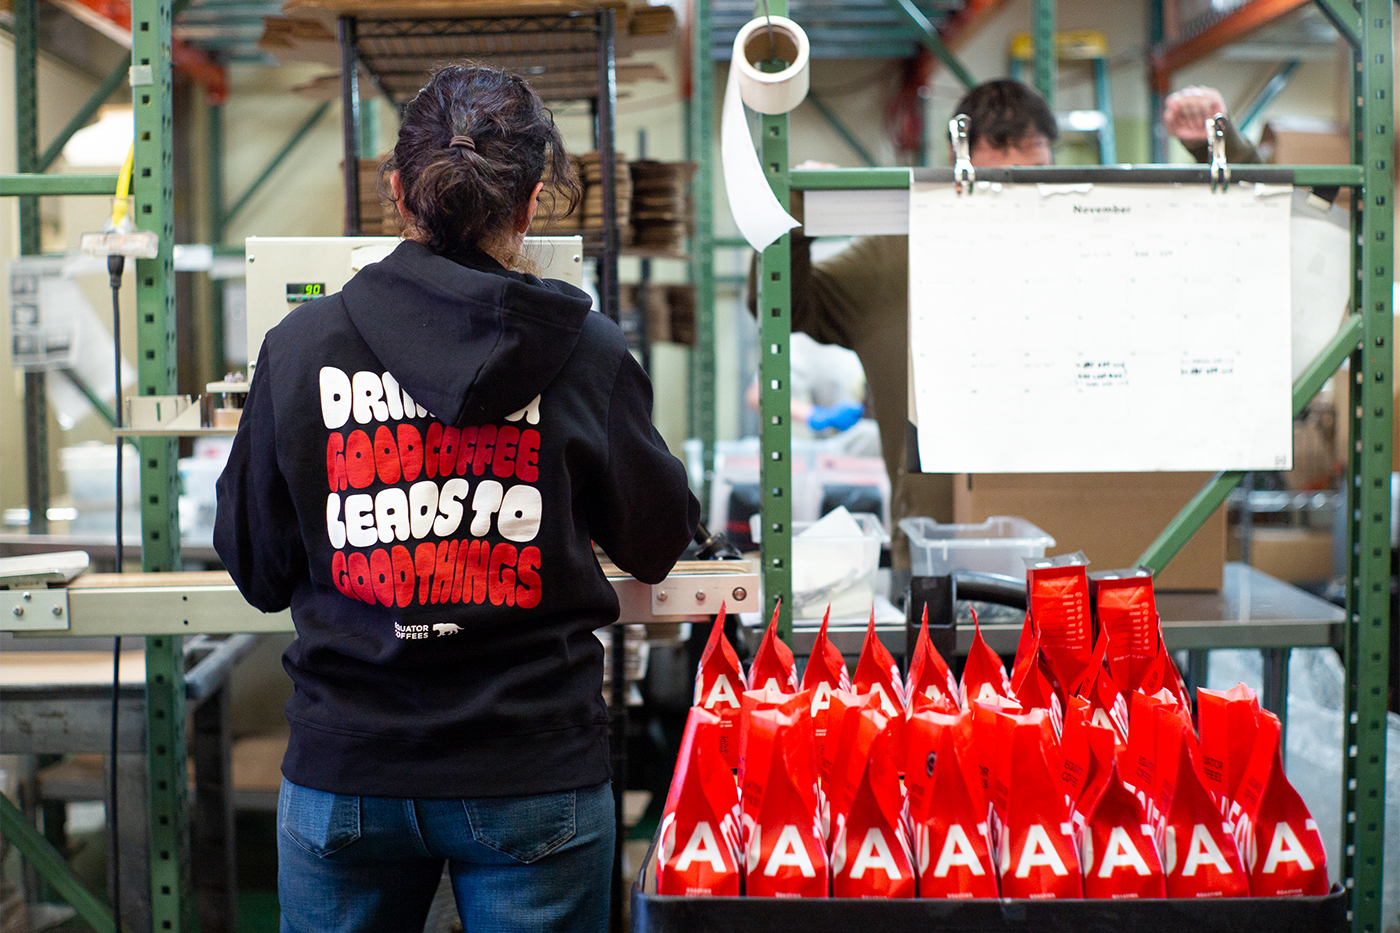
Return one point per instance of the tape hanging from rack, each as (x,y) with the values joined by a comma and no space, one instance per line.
(757,212)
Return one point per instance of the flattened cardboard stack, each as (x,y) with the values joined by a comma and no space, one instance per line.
(648,27)
(295,39)
(591,175)
(660,204)
(553,217)
(377,216)
(670,310)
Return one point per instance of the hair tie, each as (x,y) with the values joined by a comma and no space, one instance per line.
(462,142)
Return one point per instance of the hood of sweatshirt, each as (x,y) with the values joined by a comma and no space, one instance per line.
(476,342)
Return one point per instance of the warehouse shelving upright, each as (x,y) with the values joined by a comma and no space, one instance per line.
(153,200)
(1365,338)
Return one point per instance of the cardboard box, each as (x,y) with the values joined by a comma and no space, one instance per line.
(1304,141)
(1111,517)
(1294,555)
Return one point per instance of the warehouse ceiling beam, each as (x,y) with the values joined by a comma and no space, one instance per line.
(1194,514)
(1172,57)
(112,18)
(923,30)
(52,867)
(274,164)
(1266,95)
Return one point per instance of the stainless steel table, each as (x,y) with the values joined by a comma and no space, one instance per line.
(1252,610)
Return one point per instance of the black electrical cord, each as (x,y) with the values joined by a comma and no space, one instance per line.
(116,263)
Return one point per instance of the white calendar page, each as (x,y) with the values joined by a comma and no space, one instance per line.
(1104,328)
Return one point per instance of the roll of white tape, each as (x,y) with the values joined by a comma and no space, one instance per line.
(757,212)
(765,39)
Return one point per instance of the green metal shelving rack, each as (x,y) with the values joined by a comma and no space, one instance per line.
(153,202)
(1365,338)
(775,370)
(153,209)
(700,115)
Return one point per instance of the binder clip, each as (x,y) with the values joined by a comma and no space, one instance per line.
(964,176)
(1219,168)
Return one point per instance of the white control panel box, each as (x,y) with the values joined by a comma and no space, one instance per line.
(286,271)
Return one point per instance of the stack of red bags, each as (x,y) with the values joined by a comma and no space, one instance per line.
(1077,775)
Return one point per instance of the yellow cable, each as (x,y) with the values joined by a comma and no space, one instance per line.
(119,205)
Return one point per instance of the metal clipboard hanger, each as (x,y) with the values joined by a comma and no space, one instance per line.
(1219,167)
(964,175)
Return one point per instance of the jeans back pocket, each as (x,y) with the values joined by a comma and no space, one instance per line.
(320,822)
(525,828)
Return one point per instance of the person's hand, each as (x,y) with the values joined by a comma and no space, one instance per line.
(1184,113)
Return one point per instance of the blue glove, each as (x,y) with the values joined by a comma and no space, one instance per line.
(841,416)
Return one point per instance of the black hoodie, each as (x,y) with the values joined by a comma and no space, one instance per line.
(421,466)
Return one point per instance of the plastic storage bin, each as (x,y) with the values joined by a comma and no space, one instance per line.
(836,568)
(90,473)
(994,546)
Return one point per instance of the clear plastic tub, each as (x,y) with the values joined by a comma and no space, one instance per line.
(994,546)
(836,568)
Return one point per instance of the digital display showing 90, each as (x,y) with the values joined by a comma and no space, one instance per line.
(305,291)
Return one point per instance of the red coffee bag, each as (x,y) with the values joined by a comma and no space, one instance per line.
(699,847)
(1039,858)
(923,737)
(1107,707)
(1172,725)
(1137,760)
(1057,599)
(1087,753)
(861,720)
(1126,608)
(1117,850)
(1201,859)
(1276,834)
(1162,674)
(785,845)
(929,675)
(718,682)
(773,665)
(877,673)
(1031,684)
(826,667)
(870,854)
(983,675)
(1228,723)
(952,839)
(792,706)
(825,673)
(1074,748)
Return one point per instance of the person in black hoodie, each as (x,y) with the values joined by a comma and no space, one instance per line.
(423,465)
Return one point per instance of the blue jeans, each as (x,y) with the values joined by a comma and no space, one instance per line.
(538,863)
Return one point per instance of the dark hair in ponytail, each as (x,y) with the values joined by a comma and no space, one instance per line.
(472,146)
